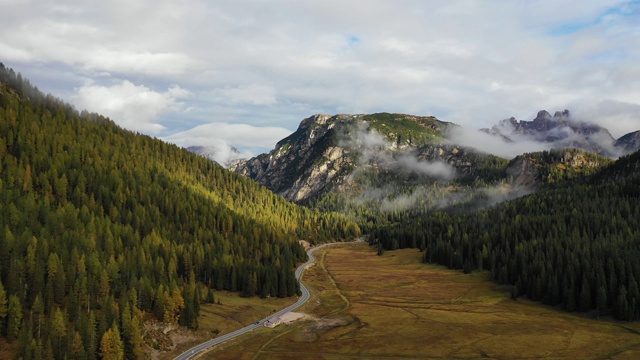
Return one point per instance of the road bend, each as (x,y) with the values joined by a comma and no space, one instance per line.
(198,349)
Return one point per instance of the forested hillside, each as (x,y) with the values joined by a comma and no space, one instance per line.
(576,243)
(99,225)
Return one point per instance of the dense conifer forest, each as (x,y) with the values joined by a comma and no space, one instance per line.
(575,244)
(100,226)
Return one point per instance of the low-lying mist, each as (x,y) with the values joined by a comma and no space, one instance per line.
(392,178)
(373,150)
(545,133)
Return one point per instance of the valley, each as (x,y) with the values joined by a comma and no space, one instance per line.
(393,306)
(115,244)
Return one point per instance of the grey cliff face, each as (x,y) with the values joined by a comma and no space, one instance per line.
(323,153)
(305,163)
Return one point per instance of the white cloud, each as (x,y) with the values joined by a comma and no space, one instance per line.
(135,107)
(438,169)
(495,145)
(277,62)
(621,117)
(127,62)
(250,94)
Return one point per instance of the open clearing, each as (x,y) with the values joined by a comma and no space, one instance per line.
(394,307)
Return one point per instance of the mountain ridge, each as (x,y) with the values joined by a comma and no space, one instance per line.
(333,152)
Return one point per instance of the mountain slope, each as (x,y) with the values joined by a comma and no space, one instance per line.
(99,225)
(548,167)
(629,143)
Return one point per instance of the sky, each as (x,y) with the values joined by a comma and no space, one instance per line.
(244,73)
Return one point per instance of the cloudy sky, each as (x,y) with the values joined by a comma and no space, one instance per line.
(246,72)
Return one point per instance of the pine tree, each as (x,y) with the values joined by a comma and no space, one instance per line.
(250,287)
(111,346)
(602,301)
(3,308)
(14,318)
(58,327)
(585,295)
(77,348)
(132,334)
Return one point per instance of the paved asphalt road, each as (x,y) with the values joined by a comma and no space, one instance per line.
(194,351)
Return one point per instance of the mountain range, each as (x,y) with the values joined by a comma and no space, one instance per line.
(352,153)
(563,131)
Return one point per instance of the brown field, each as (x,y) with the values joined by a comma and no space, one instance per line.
(394,307)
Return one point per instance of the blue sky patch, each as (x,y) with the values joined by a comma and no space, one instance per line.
(630,8)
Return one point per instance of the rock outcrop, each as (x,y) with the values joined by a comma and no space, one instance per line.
(323,153)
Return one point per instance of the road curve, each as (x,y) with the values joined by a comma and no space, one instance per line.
(196,350)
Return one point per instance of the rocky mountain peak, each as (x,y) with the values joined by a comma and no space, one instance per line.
(542,116)
(562,114)
(322,153)
(559,131)
(315,120)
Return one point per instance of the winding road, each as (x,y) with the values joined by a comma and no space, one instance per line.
(196,350)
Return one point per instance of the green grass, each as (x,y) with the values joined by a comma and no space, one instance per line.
(407,128)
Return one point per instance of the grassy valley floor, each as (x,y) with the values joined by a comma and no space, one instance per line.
(394,307)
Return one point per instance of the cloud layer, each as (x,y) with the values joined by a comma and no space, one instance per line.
(275,63)
(134,107)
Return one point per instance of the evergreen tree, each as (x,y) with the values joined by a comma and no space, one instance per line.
(58,328)
(4,310)
(111,346)
(14,318)
(602,305)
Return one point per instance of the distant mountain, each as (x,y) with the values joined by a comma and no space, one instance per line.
(629,143)
(562,130)
(225,157)
(383,157)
